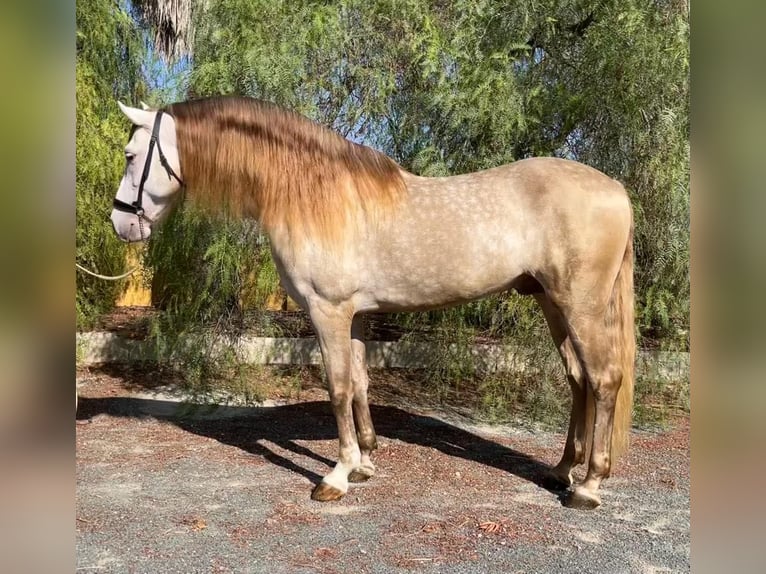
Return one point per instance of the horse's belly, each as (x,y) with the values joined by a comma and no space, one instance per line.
(428,288)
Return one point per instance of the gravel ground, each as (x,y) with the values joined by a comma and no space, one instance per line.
(165,488)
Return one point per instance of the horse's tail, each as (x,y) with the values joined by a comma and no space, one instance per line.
(619,318)
(620,314)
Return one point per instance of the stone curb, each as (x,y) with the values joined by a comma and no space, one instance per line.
(98,347)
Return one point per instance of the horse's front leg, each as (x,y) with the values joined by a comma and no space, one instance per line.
(365,432)
(333,327)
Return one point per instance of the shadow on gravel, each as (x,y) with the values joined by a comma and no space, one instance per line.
(248,427)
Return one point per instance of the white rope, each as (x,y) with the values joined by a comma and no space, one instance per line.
(108,277)
(116,277)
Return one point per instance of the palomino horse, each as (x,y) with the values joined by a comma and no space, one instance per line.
(352,233)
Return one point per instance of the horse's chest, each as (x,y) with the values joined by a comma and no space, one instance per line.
(313,272)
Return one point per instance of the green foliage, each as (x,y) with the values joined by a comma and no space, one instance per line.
(453,87)
(659,399)
(110,46)
(538,397)
(98,171)
(109,55)
(203,270)
(634,124)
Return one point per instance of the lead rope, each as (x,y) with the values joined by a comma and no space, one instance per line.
(107,277)
(124,275)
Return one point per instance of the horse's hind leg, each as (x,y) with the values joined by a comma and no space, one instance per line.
(574,448)
(599,357)
(365,432)
(333,327)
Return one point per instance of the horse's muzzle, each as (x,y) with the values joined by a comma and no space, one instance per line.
(129,228)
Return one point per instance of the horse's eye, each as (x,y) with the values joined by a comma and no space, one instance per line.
(129,157)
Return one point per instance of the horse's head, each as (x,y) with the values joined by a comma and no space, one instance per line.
(152,175)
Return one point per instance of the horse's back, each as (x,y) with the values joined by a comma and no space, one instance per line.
(529,203)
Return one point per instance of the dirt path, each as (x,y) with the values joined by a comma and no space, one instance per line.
(162,488)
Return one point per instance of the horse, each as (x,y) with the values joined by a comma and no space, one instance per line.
(352,232)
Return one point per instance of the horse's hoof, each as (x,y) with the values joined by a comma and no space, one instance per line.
(323,492)
(360,475)
(581,499)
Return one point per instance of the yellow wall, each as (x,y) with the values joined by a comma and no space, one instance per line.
(135,293)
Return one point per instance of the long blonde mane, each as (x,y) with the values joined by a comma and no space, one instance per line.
(249,158)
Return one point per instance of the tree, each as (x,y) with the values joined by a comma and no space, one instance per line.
(452,87)
(170,20)
(109,56)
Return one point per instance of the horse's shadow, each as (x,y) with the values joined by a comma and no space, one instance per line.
(249,428)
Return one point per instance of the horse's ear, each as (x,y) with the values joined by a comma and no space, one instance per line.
(144,105)
(143,118)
